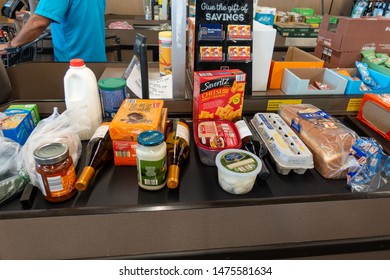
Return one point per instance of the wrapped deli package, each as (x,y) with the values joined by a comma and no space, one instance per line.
(328,139)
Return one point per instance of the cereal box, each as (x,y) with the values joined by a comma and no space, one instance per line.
(133,117)
(218,94)
(20,121)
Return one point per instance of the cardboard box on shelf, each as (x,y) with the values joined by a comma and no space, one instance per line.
(340,44)
(354,85)
(295,58)
(296,29)
(298,80)
(304,11)
(336,59)
(355,34)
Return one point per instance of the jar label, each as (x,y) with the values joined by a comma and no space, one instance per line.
(239,162)
(58,185)
(152,173)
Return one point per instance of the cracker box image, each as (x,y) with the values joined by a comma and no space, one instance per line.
(218,94)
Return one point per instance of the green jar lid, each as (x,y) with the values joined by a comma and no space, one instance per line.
(111,84)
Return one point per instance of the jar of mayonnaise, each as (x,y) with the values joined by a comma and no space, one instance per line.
(151,160)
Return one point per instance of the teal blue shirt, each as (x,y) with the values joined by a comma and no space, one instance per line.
(77,28)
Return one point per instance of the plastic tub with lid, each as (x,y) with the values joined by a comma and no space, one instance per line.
(237,170)
(213,136)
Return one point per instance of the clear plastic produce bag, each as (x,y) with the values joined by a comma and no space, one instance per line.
(12,180)
(57,128)
(369,166)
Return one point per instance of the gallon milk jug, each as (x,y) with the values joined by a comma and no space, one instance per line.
(81,94)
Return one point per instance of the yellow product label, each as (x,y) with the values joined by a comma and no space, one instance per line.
(354,104)
(280,141)
(273,105)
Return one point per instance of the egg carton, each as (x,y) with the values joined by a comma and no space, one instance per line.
(286,148)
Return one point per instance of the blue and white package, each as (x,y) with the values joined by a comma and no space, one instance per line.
(366,76)
(369,168)
(210,31)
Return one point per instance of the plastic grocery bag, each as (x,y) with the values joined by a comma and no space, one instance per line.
(12,180)
(9,154)
(369,166)
(57,128)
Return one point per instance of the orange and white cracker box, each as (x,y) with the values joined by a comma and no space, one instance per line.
(133,117)
(218,94)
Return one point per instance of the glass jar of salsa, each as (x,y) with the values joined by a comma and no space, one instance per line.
(56,172)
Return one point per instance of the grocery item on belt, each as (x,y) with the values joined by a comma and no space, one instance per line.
(327,138)
(19,121)
(237,170)
(213,136)
(133,117)
(285,147)
(370,167)
(375,113)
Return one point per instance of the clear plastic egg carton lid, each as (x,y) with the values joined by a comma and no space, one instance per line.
(286,148)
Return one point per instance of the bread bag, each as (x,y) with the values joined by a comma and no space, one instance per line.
(327,138)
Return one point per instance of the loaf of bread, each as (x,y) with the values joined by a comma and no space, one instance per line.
(327,138)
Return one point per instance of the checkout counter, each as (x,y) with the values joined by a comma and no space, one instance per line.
(293,216)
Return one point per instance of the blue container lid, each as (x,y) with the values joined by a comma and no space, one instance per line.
(150,138)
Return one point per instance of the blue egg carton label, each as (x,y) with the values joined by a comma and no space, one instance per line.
(211,31)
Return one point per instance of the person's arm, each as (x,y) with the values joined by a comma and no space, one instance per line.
(34,27)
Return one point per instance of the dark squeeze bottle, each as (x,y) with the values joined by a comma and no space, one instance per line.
(251,145)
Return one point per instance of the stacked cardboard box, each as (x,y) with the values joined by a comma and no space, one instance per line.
(339,45)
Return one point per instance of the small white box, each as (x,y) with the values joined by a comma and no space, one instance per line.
(263,48)
(297,80)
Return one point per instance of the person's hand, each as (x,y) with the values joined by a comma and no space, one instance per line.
(2,49)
